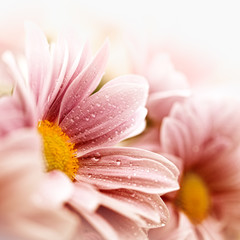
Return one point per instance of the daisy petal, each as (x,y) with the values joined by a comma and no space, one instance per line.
(55,189)
(160,103)
(145,209)
(85,196)
(113,136)
(178,227)
(85,83)
(38,58)
(118,103)
(100,224)
(125,228)
(130,168)
(27,172)
(45,224)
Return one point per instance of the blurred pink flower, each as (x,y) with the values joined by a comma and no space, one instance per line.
(21,178)
(167,85)
(109,186)
(202,137)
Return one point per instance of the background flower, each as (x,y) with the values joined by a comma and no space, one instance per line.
(202,136)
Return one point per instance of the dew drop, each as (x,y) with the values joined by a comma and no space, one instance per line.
(93,115)
(96,159)
(133,194)
(118,161)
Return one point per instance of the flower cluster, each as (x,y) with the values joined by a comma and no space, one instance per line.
(80,162)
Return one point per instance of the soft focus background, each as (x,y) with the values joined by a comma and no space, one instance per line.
(201,37)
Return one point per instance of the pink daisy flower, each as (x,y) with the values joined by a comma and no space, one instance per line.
(114,190)
(22,178)
(167,85)
(202,137)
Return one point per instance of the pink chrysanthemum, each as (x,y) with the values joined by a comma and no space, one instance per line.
(24,215)
(116,190)
(202,137)
(167,85)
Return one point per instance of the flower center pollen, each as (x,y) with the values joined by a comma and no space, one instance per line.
(59,152)
(193,197)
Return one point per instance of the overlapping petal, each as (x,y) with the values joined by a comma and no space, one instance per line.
(108,114)
(113,168)
(146,210)
(38,59)
(27,171)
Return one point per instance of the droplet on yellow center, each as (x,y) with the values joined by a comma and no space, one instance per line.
(193,197)
(59,152)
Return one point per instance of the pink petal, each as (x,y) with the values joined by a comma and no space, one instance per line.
(124,227)
(160,103)
(59,63)
(85,196)
(65,71)
(55,190)
(23,97)
(210,229)
(113,136)
(175,138)
(117,107)
(12,117)
(178,227)
(38,58)
(184,132)
(149,140)
(145,209)
(79,55)
(162,75)
(85,83)
(130,168)
(41,223)
(21,169)
(100,224)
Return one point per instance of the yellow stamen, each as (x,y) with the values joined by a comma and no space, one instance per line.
(193,197)
(58,150)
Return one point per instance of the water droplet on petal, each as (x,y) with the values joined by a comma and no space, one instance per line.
(133,194)
(118,161)
(93,115)
(96,159)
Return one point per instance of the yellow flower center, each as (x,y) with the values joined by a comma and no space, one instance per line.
(59,152)
(193,197)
